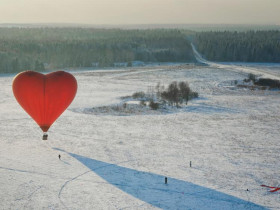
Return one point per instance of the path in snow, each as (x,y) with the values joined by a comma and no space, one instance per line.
(242,69)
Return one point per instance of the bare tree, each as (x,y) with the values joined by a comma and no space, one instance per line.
(184,91)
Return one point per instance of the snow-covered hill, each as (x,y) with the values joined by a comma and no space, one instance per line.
(231,136)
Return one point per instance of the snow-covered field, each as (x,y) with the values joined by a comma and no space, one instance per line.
(230,135)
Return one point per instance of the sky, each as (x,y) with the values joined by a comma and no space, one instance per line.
(265,12)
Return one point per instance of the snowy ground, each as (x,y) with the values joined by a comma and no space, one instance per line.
(231,136)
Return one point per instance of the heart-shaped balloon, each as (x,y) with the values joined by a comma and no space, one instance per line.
(44,97)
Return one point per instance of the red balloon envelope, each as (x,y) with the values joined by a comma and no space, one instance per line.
(44,97)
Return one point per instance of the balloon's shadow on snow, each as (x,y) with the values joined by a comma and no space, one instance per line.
(151,188)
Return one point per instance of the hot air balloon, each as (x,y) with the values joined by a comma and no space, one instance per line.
(44,97)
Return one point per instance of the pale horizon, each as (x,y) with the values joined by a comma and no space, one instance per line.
(131,12)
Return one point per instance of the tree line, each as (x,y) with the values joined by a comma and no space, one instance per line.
(42,49)
(52,48)
(250,46)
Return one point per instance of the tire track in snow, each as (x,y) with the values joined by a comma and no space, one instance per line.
(63,186)
(25,171)
(135,72)
(76,177)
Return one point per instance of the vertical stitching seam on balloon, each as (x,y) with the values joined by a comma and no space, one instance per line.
(44,110)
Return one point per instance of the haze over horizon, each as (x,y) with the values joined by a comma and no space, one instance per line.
(141,12)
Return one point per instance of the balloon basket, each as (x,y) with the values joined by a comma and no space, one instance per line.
(45,137)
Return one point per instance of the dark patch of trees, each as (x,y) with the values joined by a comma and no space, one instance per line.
(52,48)
(271,83)
(263,82)
(176,94)
(251,46)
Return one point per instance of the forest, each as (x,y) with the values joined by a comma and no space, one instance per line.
(42,49)
(250,46)
(50,48)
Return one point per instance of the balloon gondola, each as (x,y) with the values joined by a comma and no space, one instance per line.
(45,136)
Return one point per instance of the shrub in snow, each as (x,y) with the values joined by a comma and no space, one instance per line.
(153,105)
(252,77)
(142,103)
(138,95)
